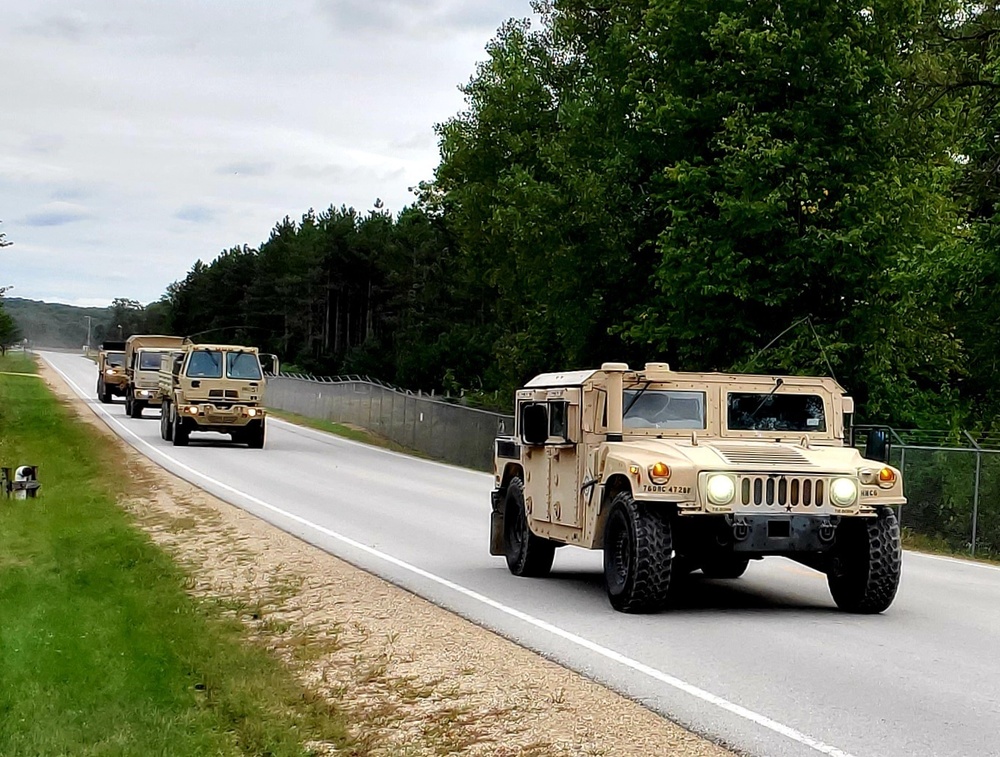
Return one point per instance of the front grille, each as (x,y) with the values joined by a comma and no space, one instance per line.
(228,393)
(760,453)
(782,491)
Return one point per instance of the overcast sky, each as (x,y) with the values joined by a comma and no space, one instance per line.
(137,137)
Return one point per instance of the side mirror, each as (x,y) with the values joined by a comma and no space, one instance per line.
(534,424)
(877,445)
(270,363)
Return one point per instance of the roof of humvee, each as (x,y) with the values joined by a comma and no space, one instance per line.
(579,378)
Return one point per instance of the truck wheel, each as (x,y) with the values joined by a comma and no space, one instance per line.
(102,393)
(179,431)
(638,556)
(527,555)
(128,404)
(166,426)
(255,436)
(136,410)
(726,567)
(864,572)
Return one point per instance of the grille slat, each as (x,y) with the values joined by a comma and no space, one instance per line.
(784,491)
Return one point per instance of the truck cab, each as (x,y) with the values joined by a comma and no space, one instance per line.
(142,367)
(670,472)
(111,378)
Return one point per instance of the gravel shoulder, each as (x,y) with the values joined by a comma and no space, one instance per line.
(414,678)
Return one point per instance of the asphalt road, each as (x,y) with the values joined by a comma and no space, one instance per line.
(765,663)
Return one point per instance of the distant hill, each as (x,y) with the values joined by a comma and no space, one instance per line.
(48,324)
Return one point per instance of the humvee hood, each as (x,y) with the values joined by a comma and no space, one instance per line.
(733,454)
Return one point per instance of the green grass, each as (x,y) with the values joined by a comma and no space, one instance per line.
(101,650)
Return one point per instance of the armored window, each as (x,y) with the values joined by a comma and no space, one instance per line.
(660,408)
(760,411)
(149,361)
(243,365)
(558,426)
(116,359)
(205,364)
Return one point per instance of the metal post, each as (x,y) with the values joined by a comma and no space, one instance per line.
(975,492)
(902,469)
(89,319)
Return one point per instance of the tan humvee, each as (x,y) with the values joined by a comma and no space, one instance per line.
(213,387)
(111,378)
(672,472)
(142,367)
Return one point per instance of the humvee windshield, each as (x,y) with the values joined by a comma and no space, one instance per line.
(243,365)
(149,361)
(758,411)
(115,359)
(662,408)
(205,364)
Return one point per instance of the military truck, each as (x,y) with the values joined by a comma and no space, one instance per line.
(669,473)
(213,387)
(111,378)
(142,369)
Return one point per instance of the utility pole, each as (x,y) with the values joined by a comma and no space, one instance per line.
(89,319)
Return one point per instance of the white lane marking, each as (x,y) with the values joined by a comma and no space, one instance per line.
(954,560)
(609,654)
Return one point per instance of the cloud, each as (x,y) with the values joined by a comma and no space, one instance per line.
(246,168)
(195,214)
(67,26)
(396,16)
(44,144)
(56,214)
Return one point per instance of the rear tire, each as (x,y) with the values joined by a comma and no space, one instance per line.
(726,567)
(166,425)
(527,555)
(638,556)
(179,431)
(864,571)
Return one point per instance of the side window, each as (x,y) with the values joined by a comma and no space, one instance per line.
(534,423)
(558,424)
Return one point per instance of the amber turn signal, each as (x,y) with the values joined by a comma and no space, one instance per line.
(659,473)
(886,477)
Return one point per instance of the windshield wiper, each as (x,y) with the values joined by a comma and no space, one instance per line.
(777,384)
(635,398)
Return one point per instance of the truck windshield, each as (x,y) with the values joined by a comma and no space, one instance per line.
(115,359)
(753,411)
(205,364)
(243,365)
(660,408)
(149,361)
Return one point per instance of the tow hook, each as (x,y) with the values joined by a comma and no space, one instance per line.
(827,532)
(740,530)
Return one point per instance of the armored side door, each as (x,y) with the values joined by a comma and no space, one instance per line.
(550,432)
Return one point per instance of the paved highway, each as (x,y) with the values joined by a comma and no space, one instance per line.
(765,663)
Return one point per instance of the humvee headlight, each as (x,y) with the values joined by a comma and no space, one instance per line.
(843,492)
(110,371)
(886,478)
(659,473)
(252,412)
(193,409)
(720,489)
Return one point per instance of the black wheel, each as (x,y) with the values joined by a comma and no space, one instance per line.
(137,406)
(638,555)
(166,426)
(128,404)
(864,571)
(255,435)
(103,393)
(729,566)
(527,554)
(179,431)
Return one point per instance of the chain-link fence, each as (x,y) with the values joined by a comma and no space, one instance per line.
(952,483)
(443,430)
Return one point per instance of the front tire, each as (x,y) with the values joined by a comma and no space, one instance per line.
(527,555)
(638,555)
(179,431)
(255,436)
(864,573)
(166,425)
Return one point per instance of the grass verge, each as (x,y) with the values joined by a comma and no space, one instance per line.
(102,651)
(348,432)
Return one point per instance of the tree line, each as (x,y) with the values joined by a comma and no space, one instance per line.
(795,186)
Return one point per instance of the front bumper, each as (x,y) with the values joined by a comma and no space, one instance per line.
(213,416)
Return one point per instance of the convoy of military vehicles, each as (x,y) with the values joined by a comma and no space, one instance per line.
(198,387)
(666,472)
